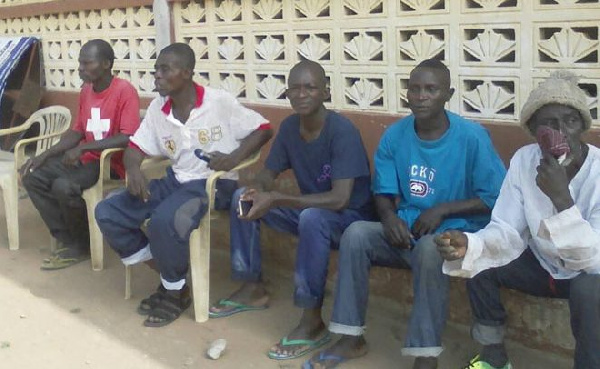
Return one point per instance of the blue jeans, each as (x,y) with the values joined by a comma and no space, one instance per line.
(318,231)
(175,210)
(363,245)
(527,275)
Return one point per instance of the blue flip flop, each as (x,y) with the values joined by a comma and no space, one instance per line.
(237,308)
(337,360)
(311,345)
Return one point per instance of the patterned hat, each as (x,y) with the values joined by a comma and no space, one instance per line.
(559,88)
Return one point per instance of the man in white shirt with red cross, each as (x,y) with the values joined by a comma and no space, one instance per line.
(201,130)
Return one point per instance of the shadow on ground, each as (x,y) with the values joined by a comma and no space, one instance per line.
(77,318)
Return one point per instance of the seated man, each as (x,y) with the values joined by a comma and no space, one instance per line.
(434,171)
(185,118)
(326,154)
(544,236)
(109,112)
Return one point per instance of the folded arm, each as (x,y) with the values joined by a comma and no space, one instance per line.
(576,239)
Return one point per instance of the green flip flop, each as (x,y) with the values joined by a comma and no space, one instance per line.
(311,345)
(58,262)
(237,308)
(55,254)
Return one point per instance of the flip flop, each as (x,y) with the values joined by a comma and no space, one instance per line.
(59,262)
(311,346)
(55,254)
(237,308)
(323,356)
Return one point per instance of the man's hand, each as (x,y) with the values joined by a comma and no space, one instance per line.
(219,161)
(137,185)
(396,232)
(32,164)
(552,179)
(71,157)
(262,202)
(452,245)
(428,221)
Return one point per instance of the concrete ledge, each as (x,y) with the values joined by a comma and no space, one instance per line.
(535,322)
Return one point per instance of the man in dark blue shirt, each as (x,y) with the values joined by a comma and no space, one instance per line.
(326,154)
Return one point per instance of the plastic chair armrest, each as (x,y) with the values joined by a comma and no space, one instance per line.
(212,179)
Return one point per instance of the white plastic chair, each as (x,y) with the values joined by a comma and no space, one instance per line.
(154,167)
(200,249)
(93,195)
(53,121)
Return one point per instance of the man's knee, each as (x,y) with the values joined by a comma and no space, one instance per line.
(65,189)
(31,181)
(356,238)
(585,291)
(182,221)
(426,255)
(311,218)
(104,211)
(188,216)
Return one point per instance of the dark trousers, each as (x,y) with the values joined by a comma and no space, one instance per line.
(55,190)
(318,231)
(174,209)
(527,275)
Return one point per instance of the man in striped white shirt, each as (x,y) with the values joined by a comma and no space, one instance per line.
(544,235)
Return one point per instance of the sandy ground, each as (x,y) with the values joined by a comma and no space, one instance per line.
(77,318)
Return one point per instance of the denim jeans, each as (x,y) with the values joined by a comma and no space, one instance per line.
(318,231)
(363,245)
(525,274)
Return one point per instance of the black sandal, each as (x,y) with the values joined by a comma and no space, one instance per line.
(150,302)
(168,309)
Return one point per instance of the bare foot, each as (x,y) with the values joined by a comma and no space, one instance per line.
(311,327)
(250,294)
(346,348)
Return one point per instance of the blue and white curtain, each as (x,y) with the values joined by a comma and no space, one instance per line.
(11,51)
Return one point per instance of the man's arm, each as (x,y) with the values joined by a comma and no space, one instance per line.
(117,141)
(395,229)
(500,242)
(429,220)
(248,146)
(337,199)
(136,181)
(68,140)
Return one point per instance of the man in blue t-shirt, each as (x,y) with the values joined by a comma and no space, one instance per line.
(326,154)
(433,171)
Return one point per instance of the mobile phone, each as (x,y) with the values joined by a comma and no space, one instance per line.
(201,155)
(244,207)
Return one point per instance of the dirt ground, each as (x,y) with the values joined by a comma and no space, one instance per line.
(77,318)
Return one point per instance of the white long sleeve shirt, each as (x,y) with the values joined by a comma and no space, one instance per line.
(566,243)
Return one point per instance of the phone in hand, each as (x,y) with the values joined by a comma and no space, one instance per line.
(244,207)
(202,155)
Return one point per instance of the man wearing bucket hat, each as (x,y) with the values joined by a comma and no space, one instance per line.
(544,235)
